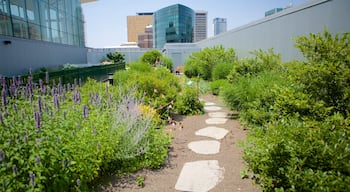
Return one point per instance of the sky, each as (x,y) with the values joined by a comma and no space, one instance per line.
(106,20)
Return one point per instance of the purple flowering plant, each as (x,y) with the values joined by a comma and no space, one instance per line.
(37,144)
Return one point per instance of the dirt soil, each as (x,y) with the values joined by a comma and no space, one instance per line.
(164,179)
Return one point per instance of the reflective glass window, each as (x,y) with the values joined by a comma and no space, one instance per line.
(20,28)
(34,31)
(4,7)
(17,8)
(5,25)
(45,33)
(32,8)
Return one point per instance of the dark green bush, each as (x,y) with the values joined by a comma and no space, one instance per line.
(218,85)
(221,71)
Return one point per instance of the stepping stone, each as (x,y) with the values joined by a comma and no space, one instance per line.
(218,114)
(216,121)
(213,132)
(200,176)
(205,147)
(209,103)
(212,108)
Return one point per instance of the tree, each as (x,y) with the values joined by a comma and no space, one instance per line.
(150,57)
(116,57)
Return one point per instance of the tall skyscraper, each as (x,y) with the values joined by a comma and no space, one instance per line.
(173,24)
(145,40)
(137,24)
(200,28)
(220,25)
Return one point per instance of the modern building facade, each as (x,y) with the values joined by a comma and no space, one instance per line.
(200,29)
(310,17)
(50,21)
(220,25)
(40,33)
(137,24)
(145,40)
(173,24)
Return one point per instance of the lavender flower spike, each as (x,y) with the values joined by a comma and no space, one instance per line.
(78,182)
(32,179)
(14,170)
(47,77)
(85,111)
(37,160)
(2,155)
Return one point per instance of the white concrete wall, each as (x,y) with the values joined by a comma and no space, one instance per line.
(277,31)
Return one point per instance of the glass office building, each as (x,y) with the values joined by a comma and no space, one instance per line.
(173,24)
(57,21)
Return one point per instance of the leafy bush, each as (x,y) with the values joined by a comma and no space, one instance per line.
(218,85)
(302,156)
(140,67)
(150,57)
(187,103)
(325,75)
(221,71)
(262,61)
(298,113)
(204,61)
(167,62)
(159,87)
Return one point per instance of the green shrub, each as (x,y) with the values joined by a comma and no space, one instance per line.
(204,61)
(218,85)
(301,156)
(167,62)
(187,103)
(191,69)
(262,61)
(140,67)
(300,125)
(221,71)
(150,57)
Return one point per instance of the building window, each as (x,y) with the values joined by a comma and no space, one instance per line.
(58,21)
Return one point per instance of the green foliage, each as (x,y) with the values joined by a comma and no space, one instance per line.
(188,103)
(191,69)
(325,75)
(150,57)
(218,85)
(262,61)
(298,115)
(66,138)
(302,156)
(140,67)
(221,71)
(116,57)
(202,62)
(159,87)
(167,62)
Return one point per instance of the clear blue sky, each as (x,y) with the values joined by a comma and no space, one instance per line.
(106,26)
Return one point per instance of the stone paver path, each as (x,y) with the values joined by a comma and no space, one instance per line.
(206,174)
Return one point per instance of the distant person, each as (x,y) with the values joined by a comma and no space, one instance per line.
(158,62)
